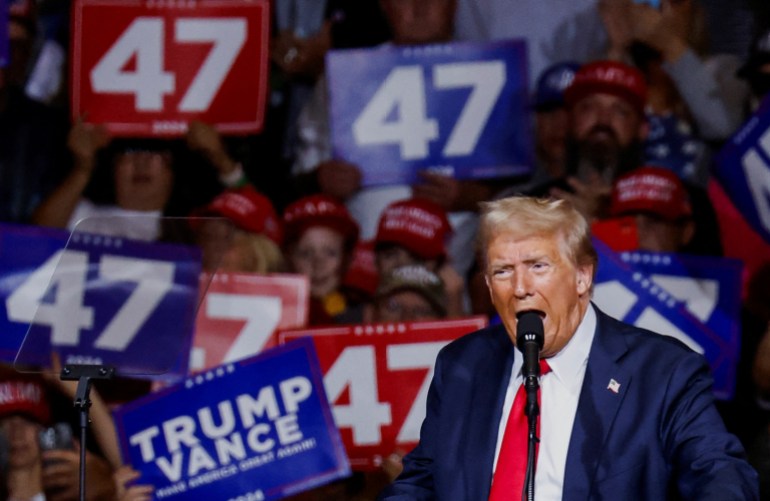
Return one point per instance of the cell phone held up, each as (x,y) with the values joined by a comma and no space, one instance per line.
(58,436)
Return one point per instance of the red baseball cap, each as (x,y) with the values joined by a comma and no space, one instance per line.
(418,225)
(24,396)
(608,77)
(319,210)
(248,210)
(650,189)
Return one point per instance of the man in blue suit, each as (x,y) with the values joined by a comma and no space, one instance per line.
(625,414)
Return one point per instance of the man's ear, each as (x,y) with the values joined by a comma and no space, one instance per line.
(585,274)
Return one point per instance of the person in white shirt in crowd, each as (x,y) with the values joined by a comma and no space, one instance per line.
(142,182)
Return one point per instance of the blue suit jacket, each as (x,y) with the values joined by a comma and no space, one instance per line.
(659,437)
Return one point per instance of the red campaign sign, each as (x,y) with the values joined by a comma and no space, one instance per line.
(377,377)
(240,313)
(148,67)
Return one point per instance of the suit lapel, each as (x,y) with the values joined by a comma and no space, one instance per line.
(486,407)
(604,387)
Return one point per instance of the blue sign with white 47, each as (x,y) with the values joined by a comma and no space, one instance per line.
(98,300)
(459,109)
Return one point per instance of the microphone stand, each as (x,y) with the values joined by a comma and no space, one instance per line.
(532,409)
(83,374)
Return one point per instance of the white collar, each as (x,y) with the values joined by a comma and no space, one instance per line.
(568,363)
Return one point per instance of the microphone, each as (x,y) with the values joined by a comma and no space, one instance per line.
(529,340)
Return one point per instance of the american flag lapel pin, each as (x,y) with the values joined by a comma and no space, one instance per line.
(614,386)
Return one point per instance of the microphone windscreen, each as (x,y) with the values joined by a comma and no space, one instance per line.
(529,322)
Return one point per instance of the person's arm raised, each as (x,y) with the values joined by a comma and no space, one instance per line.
(84,141)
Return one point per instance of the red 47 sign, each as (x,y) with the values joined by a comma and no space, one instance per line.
(377,377)
(240,312)
(148,67)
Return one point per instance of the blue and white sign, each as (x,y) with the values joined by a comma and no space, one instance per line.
(259,429)
(459,109)
(99,300)
(709,287)
(23,250)
(630,294)
(743,170)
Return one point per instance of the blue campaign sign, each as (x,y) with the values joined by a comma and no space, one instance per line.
(23,249)
(709,287)
(743,170)
(631,295)
(259,429)
(460,109)
(99,300)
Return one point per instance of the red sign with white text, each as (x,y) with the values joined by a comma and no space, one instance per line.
(240,313)
(377,377)
(149,67)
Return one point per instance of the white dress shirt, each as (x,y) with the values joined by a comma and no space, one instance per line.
(559,394)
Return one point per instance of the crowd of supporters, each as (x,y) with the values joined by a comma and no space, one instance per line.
(630,103)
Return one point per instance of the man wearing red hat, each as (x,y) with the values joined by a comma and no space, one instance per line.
(415,231)
(606,102)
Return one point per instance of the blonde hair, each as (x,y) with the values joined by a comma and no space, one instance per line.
(261,254)
(526,217)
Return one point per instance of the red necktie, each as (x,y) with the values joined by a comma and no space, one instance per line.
(508,480)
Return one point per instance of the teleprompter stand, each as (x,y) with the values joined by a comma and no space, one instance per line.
(84,374)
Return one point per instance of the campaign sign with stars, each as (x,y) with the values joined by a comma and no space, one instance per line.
(709,287)
(743,170)
(96,299)
(377,378)
(258,429)
(640,296)
(459,109)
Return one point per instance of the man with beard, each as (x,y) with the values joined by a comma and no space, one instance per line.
(606,103)
(606,127)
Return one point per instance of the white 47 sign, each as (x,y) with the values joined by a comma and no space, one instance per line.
(147,68)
